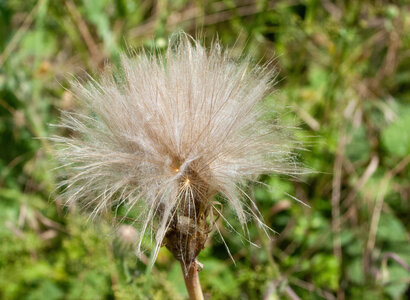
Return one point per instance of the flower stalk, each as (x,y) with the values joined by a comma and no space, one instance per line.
(192,283)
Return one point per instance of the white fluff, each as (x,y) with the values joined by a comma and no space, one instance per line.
(149,125)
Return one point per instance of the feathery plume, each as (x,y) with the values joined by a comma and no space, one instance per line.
(162,135)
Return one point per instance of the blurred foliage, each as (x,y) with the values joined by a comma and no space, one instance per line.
(345,77)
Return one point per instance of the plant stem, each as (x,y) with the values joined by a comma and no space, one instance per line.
(192,283)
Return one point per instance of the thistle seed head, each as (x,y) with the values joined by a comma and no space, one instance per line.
(161,135)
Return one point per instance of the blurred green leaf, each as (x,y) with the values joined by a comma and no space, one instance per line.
(396,137)
(391,229)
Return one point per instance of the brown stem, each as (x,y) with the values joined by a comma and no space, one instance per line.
(192,283)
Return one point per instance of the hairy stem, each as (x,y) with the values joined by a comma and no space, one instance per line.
(192,283)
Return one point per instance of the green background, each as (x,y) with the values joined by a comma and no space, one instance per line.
(344,81)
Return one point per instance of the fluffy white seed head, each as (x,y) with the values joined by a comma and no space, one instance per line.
(165,131)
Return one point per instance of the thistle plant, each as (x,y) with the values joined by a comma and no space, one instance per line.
(162,135)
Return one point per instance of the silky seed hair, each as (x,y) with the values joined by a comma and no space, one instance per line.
(161,135)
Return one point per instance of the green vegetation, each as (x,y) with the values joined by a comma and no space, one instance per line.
(344,79)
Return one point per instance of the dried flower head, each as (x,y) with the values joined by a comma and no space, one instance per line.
(162,135)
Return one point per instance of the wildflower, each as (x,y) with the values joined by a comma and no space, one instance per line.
(163,135)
